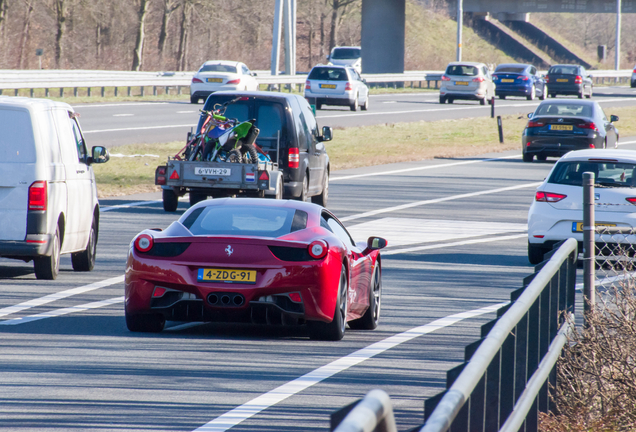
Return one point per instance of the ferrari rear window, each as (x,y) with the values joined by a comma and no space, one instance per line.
(246,221)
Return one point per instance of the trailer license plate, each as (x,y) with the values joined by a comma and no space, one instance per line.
(212,171)
(226,275)
(578,226)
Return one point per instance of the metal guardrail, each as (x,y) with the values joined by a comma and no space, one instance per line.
(373,413)
(503,382)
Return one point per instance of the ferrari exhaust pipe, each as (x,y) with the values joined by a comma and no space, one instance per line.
(213,299)
(238,300)
(225,299)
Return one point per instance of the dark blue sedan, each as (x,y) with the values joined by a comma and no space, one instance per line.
(514,79)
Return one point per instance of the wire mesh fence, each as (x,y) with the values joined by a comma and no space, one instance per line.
(615,258)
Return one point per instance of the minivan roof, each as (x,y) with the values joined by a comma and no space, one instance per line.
(264,95)
(32,103)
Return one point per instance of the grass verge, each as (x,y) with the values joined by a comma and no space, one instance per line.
(352,147)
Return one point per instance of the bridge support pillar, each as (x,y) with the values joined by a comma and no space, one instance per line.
(383,23)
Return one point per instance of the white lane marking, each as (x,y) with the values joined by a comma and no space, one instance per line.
(123,115)
(607,280)
(436,200)
(422,168)
(65,311)
(60,295)
(120,104)
(460,243)
(121,206)
(410,231)
(620,144)
(279,394)
(137,128)
(186,112)
(460,108)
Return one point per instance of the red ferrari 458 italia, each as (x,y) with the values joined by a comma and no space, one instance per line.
(254,260)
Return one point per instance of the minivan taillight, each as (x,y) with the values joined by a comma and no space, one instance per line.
(478,79)
(307,85)
(445,78)
(38,196)
(294,158)
(348,86)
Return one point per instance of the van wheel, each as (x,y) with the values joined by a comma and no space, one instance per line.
(85,260)
(145,323)
(170,200)
(304,192)
(324,195)
(47,267)
(194,100)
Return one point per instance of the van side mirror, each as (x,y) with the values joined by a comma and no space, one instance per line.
(99,155)
(375,243)
(327,133)
(613,118)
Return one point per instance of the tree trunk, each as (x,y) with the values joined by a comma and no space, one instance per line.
(98,42)
(183,37)
(3,16)
(60,16)
(163,33)
(334,24)
(139,43)
(25,33)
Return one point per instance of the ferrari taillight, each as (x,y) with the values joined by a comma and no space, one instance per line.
(144,242)
(549,197)
(159,292)
(317,249)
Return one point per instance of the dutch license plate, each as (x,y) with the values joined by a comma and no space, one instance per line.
(561,127)
(461,83)
(508,80)
(226,275)
(562,80)
(331,86)
(217,80)
(578,226)
(212,171)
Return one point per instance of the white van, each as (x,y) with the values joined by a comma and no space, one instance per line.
(48,198)
(346,56)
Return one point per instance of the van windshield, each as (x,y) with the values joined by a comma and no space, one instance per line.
(345,53)
(17,144)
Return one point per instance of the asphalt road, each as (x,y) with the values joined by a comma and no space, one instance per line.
(112,125)
(457,245)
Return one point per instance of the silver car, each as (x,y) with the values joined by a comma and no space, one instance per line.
(336,85)
(468,81)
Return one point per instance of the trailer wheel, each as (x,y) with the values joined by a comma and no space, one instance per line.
(170,200)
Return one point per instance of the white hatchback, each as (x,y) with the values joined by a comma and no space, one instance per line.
(557,211)
(218,75)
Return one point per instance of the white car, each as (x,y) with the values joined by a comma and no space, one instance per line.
(633,81)
(218,75)
(336,85)
(468,81)
(346,56)
(557,211)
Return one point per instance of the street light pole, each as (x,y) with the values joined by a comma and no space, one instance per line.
(460,22)
(618,35)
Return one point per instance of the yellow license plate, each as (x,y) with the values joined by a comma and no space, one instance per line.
(226,275)
(215,80)
(331,86)
(507,80)
(461,83)
(562,80)
(578,226)
(561,127)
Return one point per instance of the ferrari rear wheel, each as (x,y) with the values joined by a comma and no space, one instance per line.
(369,320)
(335,329)
(145,323)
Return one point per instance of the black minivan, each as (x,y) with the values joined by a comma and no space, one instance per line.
(289,134)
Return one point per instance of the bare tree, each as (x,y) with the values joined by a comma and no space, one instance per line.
(61,9)
(182,55)
(139,43)
(169,7)
(25,32)
(338,10)
(4,6)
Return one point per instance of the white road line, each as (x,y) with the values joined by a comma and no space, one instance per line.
(398,171)
(60,295)
(459,243)
(279,394)
(98,105)
(138,128)
(123,115)
(437,200)
(620,144)
(65,311)
(121,206)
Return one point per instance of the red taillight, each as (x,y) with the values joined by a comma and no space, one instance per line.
(294,158)
(236,81)
(587,125)
(38,196)
(592,146)
(547,79)
(478,79)
(631,200)
(445,78)
(317,249)
(533,123)
(159,292)
(524,78)
(295,297)
(578,80)
(144,243)
(307,85)
(196,80)
(348,86)
(548,197)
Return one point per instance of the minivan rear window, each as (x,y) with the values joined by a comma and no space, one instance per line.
(17,144)
(462,70)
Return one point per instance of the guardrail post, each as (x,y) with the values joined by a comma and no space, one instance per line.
(154,90)
(15,92)
(103,91)
(588,243)
(88,90)
(61,91)
(178,90)
(166,90)
(141,90)
(75,91)
(31,92)
(0,92)
(116,91)
(129,91)
(46,92)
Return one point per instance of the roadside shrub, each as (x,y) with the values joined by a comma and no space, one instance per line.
(596,375)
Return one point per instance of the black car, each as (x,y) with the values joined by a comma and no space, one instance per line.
(287,126)
(569,80)
(559,126)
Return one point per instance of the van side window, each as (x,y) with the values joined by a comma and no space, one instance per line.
(79,140)
(66,137)
(269,119)
(310,121)
(299,125)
